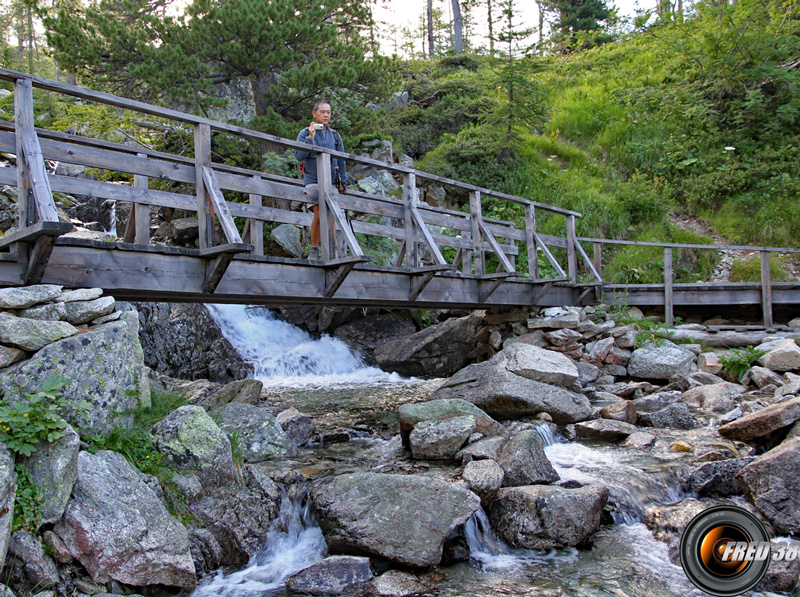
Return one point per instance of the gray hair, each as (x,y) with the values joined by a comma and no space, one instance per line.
(318,103)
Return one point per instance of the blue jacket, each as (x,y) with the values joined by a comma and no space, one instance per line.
(328,138)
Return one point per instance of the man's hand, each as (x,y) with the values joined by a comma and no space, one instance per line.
(311,131)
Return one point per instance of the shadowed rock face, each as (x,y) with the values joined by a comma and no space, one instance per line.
(117,527)
(762,422)
(391,516)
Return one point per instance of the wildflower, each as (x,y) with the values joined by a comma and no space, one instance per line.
(729,148)
(25,415)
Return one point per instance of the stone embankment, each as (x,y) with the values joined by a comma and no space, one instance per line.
(107,527)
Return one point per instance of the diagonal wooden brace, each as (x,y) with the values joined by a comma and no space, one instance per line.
(220,206)
(219,258)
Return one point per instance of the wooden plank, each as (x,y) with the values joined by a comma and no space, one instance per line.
(409,227)
(507,265)
(572,258)
(426,234)
(34,170)
(541,292)
(344,225)
(530,242)
(220,206)
(141,213)
(476,215)
(597,260)
(583,295)
(215,269)
(589,262)
(549,255)
(256,226)
(668,289)
(486,292)
(766,289)
(607,241)
(335,278)
(327,226)
(418,284)
(35,231)
(401,255)
(38,258)
(23,110)
(202,157)
(231,248)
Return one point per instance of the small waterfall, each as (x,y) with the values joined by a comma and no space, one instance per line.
(285,355)
(481,538)
(549,434)
(294,542)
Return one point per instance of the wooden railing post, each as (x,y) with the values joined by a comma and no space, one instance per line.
(572,256)
(140,212)
(476,216)
(766,289)
(205,213)
(23,118)
(257,226)
(668,281)
(409,201)
(327,226)
(597,261)
(530,241)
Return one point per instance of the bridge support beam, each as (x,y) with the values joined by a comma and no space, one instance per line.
(766,289)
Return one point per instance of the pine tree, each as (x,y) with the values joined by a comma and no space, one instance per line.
(579,22)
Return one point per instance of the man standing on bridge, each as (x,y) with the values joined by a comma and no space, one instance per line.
(320,133)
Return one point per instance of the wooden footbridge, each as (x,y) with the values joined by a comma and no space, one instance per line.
(230,264)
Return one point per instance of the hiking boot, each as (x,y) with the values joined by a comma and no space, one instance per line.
(313,252)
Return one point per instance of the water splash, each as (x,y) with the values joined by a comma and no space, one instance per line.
(294,542)
(285,355)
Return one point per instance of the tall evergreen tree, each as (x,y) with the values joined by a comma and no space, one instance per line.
(579,21)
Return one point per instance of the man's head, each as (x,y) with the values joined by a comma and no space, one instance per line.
(322,112)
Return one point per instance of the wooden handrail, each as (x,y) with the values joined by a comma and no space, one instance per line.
(607,241)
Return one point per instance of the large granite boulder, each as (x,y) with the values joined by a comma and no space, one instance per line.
(183,341)
(54,468)
(118,528)
(782,356)
(437,351)
(105,366)
(717,478)
(762,422)
(545,517)
(772,484)
(484,477)
(437,410)
(335,575)
(538,364)
(674,416)
(259,435)
(660,362)
(524,462)
(192,443)
(368,334)
(505,395)
(28,296)
(440,439)
(718,398)
(32,334)
(607,430)
(8,490)
(297,426)
(402,518)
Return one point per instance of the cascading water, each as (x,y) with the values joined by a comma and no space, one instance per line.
(285,355)
(294,542)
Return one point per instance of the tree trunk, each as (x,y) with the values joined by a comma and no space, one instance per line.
(30,40)
(491,33)
(458,28)
(261,84)
(430,28)
(541,22)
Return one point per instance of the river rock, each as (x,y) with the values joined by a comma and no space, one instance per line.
(48,312)
(55,547)
(545,517)
(171,334)
(570,319)
(709,362)
(599,350)
(437,351)
(437,410)
(260,437)
(85,311)
(502,394)
(762,422)
(8,490)
(117,527)
(396,583)
(716,479)
(402,518)
(674,416)
(587,372)
(538,364)
(27,296)
(535,338)
(761,376)
(657,401)
(29,568)
(660,362)
(563,337)
(641,440)
(668,521)
(80,294)
(244,391)
(524,462)
(782,356)
(369,333)
(54,468)
(604,430)
(484,477)
(9,356)
(440,439)
(237,519)
(781,576)
(32,334)
(483,449)
(713,399)
(288,237)
(106,369)
(772,484)
(335,575)
(624,411)
(191,442)
(296,425)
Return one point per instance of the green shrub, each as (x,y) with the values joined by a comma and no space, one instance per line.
(27,502)
(738,362)
(749,269)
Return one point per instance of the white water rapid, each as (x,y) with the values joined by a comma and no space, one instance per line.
(285,355)
(294,542)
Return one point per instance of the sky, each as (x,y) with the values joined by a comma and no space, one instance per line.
(406,13)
